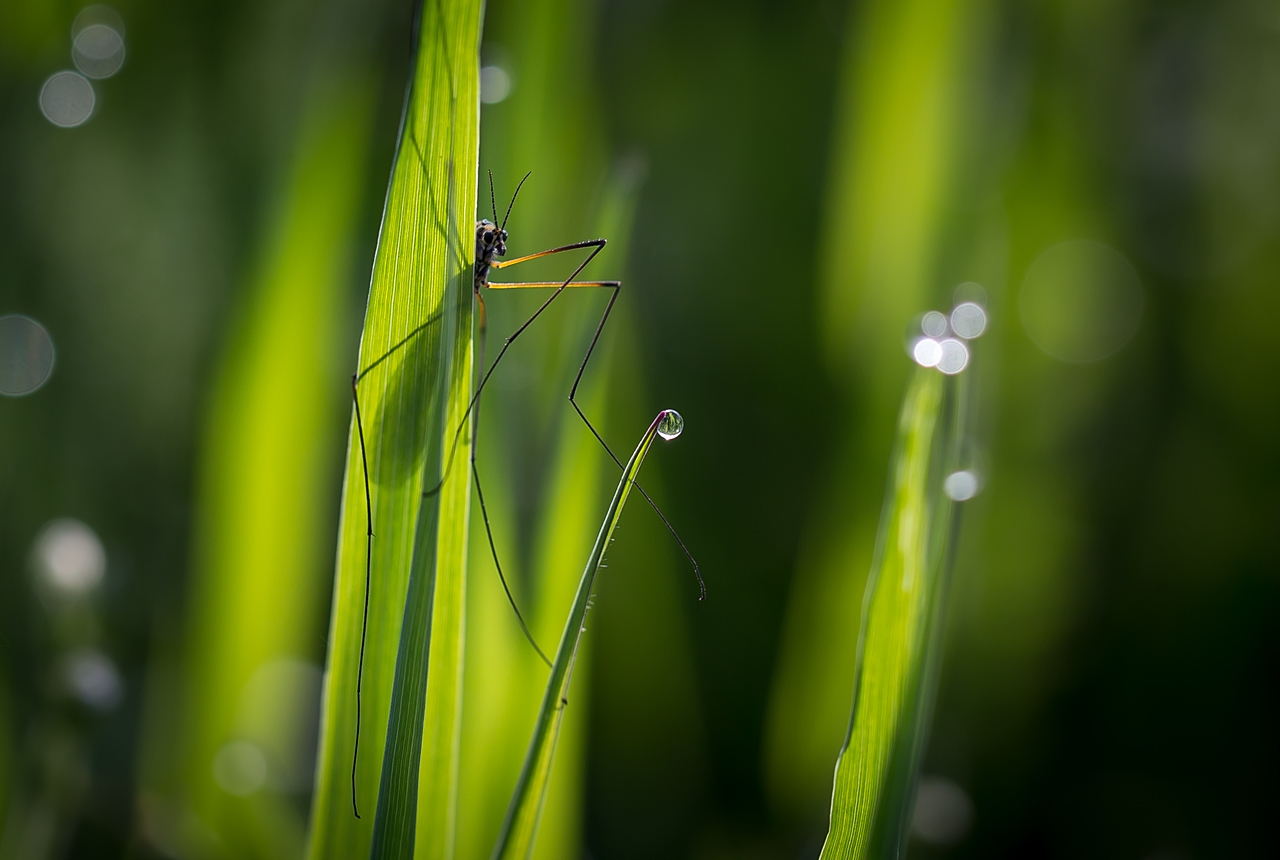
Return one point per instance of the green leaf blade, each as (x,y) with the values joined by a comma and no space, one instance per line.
(519,829)
(414,386)
(900,634)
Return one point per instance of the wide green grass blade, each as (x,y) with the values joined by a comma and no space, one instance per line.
(901,631)
(519,829)
(414,384)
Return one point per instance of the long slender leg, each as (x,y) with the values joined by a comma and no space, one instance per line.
(573,392)
(368,571)
(484,511)
(596,245)
(616,287)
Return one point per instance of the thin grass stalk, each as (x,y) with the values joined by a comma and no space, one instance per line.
(519,829)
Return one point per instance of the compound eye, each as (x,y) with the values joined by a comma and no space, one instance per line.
(488,238)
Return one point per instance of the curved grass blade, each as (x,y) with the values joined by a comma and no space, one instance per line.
(521,824)
(901,630)
(414,384)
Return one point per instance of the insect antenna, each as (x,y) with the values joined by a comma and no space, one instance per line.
(513,201)
(493,200)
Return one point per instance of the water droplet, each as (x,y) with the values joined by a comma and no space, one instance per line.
(671,425)
(66,99)
(954,357)
(926,351)
(934,324)
(961,486)
(26,355)
(968,320)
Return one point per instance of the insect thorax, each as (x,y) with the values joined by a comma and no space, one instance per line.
(491,241)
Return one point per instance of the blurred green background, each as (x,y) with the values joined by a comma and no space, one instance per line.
(786,186)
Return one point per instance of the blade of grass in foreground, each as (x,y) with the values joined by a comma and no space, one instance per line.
(901,630)
(521,824)
(414,384)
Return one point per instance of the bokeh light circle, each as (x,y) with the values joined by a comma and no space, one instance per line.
(961,486)
(1081,301)
(927,352)
(92,677)
(67,99)
(495,84)
(69,558)
(954,356)
(934,324)
(969,291)
(943,812)
(98,51)
(97,14)
(240,768)
(968,320)
(26,355)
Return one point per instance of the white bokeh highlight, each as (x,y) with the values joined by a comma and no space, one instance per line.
(961,486)
(69,558)
(927,352)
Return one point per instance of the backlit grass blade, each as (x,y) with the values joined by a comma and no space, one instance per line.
(907,113)
(519,829)
(414,385)
(901,630)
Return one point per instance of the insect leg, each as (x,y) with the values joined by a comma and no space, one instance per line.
(702,587)
(616,286)
(368,571)
(484,511)
(595,245)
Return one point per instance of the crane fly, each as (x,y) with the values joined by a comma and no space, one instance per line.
(491,243)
